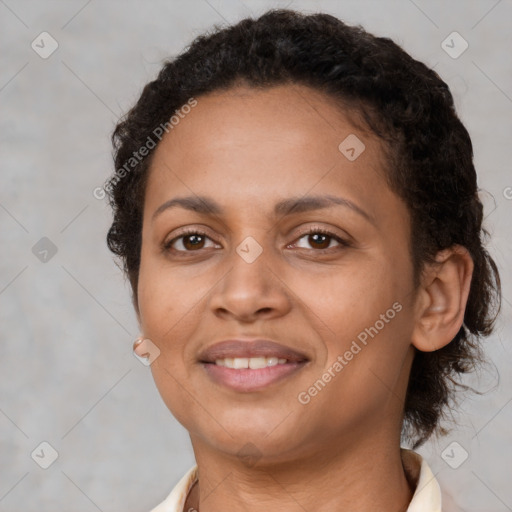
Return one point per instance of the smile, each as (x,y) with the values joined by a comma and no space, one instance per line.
(250,365)
(254,363)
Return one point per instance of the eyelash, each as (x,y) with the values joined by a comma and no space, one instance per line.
(310,231)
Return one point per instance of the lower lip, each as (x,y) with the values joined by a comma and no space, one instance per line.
(247,379)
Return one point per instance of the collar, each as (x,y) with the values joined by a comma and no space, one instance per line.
(427,494)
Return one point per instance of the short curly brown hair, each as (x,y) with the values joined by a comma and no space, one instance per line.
(429,159)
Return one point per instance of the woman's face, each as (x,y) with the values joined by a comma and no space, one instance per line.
(345,307)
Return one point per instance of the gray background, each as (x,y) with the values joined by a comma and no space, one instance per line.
(68,375)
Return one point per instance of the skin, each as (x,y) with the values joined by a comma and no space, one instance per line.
(248,149)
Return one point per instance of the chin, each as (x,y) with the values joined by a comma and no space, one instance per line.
(242,438)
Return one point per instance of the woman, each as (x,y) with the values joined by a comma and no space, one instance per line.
(296,208)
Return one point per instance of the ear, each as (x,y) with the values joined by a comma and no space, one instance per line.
(140,347)
(442,298)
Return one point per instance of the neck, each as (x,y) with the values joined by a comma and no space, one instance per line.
(363,477)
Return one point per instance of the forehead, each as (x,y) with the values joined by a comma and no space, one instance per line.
(293,114)
(255,144)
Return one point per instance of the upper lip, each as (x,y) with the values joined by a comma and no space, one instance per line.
(249,348)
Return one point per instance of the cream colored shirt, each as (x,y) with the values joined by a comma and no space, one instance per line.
(426,498)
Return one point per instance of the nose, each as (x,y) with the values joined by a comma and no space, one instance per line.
(251,288)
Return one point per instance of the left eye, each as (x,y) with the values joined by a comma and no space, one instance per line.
(322,238)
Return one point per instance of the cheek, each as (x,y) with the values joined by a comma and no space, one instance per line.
(360,378)
(161,300)
(365,314)
(175,392)
(351,298)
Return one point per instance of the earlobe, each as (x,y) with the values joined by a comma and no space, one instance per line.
(442,299)
(138,347)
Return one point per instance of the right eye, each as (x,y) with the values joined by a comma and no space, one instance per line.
(190,240)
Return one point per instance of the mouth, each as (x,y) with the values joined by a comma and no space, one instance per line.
(254,363)
(246,366)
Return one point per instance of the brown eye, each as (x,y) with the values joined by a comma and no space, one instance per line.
(189,241)
(321,239)
(193,241)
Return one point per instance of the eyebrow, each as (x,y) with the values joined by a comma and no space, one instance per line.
(207,206)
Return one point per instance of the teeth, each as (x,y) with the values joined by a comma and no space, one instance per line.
(254,363)
(240,362)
